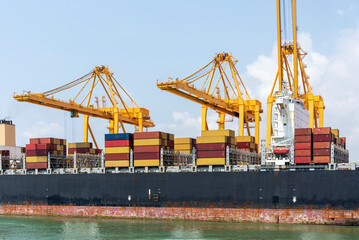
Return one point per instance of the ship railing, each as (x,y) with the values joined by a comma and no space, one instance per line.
(240,157)
(339,154)
(78,161)
(12,165)
(172,158)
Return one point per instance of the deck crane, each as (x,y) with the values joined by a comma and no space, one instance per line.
(99,80)
(222,90)
(287,107)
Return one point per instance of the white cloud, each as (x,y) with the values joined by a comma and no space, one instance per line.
(340,12)
(42,129)
(335,77)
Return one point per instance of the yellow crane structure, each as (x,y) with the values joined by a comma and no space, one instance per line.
(287,78)
(84,102)
(222,90)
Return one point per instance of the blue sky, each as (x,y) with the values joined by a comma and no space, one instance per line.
(45,44)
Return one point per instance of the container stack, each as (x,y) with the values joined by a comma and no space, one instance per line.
(39,148)
(147,148)
(82,148)
(322,140)
(184,145)
(303,145)
(117,149)
(211,146)
(246,143)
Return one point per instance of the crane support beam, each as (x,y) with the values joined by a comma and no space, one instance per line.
(195,95)
(74,107)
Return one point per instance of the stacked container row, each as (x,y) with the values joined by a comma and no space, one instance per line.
(211,146)
(246,143)
(148,145)
(117,149)
(82,148)
(39,148)
(184,145)
(322,140)
(303,146)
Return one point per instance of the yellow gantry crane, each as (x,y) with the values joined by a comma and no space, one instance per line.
(222,90)
(84,102)
(291,53)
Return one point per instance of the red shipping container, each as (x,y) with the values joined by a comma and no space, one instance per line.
(326,130)
(34,140)
(302,131)
(147,135)
(149,155)
(117,156)
(302,160)
(320,145)
(40,147)
(36,165)
(323,138)
(31,153)
(119,143)
(321,159)
(78,150)
(303,139)
(303,153)
(303,146)
(47,140)
(211,146)
(211,154)
(321,152)
(243,144)
(147,149)
(171,143)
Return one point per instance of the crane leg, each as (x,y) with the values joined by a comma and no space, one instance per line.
(269,122)
(140,122)
(204,118)
(115,121)
(321,112)
(86,128)
(241,120)
(256,126)
(311,113)
(222,118)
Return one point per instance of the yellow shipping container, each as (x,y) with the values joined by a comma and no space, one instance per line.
(212,139)
(211,161)
(147,142)
(183,141)
(245,139)
(171,136)
(92,151)
(122,163)
(80,145)
(117,150)
(214,133)
(37,159)
(57,141)
(336,132)
(59,147)
(183,147)
(146,163)
(164,135)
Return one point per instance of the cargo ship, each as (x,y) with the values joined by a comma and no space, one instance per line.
(300,174)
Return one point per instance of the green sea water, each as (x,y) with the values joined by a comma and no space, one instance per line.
(22,227)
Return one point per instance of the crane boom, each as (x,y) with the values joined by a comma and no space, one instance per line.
(83,102)
(220,93)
